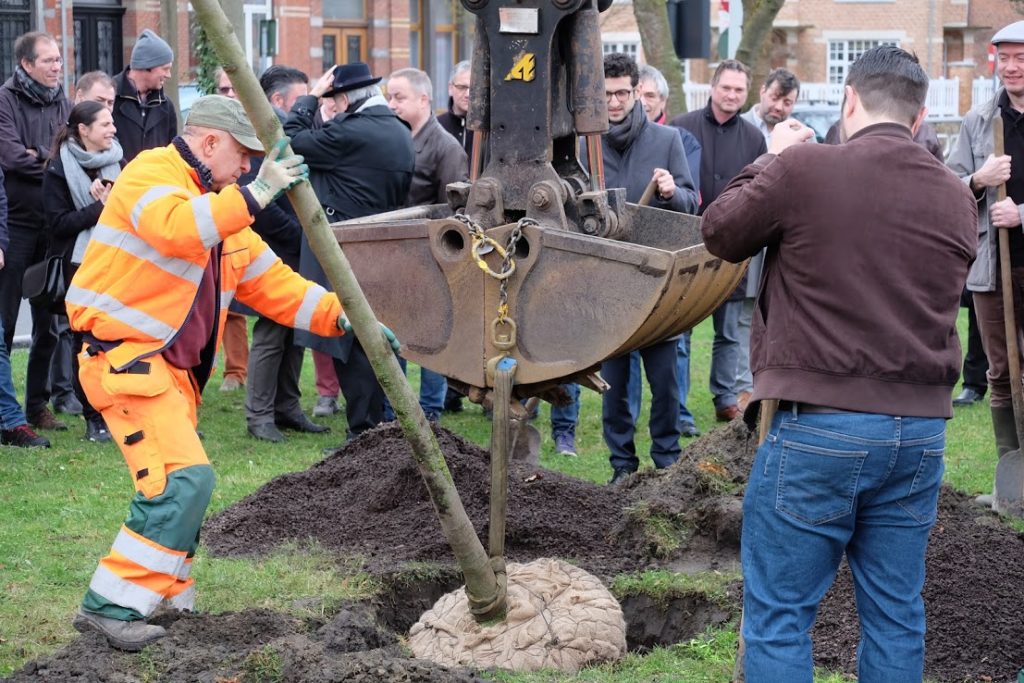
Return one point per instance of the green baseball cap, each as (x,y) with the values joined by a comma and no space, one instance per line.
(223,113)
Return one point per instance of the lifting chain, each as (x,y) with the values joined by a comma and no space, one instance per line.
(503,327)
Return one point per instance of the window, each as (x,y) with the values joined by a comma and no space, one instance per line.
(625,48)
(843,53)
(14,20)
(344,10)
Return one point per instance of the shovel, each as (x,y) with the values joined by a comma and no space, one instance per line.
(526,438)
(1009,488)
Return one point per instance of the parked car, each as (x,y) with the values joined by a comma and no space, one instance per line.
(819,116)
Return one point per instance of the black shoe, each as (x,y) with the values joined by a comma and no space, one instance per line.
(452,403)
(301,423)
(96,430)
(69,405)
(688,429)
(266,432)
(621,473)
(22,436)
(44,419)
(968,397)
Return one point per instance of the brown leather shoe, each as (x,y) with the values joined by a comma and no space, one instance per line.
(727,413)
(742,399)
(44,419)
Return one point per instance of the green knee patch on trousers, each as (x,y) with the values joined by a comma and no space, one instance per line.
(94,602)
(173,518)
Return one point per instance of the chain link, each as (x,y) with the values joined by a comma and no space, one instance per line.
(482,244)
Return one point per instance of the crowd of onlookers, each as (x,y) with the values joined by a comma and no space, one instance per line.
(60,153)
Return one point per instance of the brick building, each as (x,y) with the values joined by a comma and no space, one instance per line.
(819,39)
(308,34)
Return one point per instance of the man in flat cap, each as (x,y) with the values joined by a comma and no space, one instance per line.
(144,116)
(984,179)
(361,163)
(171,249)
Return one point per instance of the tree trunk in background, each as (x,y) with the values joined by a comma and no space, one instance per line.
(758,16)
(169,32)
(652,20)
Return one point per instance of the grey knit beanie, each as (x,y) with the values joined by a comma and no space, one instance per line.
(150,51)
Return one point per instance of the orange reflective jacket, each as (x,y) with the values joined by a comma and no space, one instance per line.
(140,274)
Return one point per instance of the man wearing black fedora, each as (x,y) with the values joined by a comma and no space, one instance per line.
(361,163)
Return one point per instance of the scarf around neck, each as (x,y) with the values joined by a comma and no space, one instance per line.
(622,134)
(76,162)
(34,90)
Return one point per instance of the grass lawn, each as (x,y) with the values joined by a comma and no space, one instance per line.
(63,506)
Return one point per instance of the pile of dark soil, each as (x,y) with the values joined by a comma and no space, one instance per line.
(368,500)
(254,645)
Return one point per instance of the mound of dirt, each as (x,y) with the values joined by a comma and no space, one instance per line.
(254,645)
(369,500)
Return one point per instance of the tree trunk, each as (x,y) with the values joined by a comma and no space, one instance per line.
(652,20)
(482,584)
(758,16)
(169,32)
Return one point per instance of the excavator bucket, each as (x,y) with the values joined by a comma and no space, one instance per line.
(574,300)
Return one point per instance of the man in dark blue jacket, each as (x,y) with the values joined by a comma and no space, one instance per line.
(361,163)
(637,152)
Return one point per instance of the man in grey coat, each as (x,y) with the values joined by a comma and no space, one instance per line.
(440,160)
(973,160)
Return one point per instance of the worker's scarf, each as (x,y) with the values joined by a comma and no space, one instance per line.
(34,90)
(76,160)
(622,134)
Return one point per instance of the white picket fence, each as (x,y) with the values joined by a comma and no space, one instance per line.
(943,96)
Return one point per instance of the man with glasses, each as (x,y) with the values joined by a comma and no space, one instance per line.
(637,152)
(144,116)
(454,120)
(33,107)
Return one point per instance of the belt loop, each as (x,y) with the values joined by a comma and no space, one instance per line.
(793,408)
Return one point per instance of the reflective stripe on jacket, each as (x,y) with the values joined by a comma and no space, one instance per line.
(141,272)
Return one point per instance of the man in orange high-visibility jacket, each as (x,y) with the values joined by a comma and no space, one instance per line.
(171,249)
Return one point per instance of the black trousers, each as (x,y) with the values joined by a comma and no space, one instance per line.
(364,397)
(975,361)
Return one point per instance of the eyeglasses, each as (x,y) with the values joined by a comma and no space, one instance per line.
(226,90)
(620,95)
(460,88)
(50,61)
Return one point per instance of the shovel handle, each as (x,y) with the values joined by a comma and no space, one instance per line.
(648,194)
(1006,284)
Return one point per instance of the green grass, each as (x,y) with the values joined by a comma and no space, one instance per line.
(62,508)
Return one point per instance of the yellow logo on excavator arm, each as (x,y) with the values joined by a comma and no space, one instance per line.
(524,68)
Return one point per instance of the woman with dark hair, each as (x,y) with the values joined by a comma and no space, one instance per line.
(85,161)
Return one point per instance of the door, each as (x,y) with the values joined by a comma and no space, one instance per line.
(98,39)
(343,45)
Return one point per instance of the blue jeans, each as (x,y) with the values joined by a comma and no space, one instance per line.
(827,484)
(683,374)
(11,415)
(433,387)
(565,418)
(725,353)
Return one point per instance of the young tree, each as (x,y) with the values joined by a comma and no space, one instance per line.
(758,16)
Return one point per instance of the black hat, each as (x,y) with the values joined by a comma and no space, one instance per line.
(351,76)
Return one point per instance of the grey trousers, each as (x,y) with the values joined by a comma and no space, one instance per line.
(744,379)
(724,353)
(275,363)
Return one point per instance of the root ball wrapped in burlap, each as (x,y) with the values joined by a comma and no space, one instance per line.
(558,616)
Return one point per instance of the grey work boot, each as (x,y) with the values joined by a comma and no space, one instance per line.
(130,636)
(1005,428)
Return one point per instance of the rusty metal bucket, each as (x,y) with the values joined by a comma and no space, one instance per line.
(575,299)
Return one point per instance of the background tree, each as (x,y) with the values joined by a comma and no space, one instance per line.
(753,50)
(652,20)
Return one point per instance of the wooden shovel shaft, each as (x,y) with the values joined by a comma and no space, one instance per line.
(1006,283)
